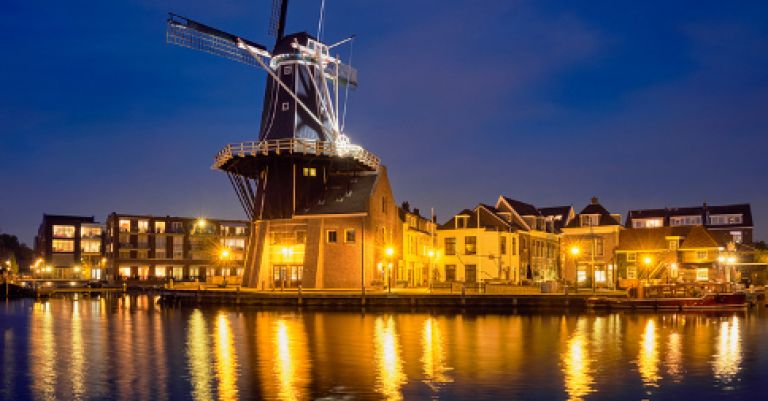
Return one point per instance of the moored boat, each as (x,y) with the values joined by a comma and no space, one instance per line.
(708,302)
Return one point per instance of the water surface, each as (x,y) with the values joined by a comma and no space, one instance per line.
(128,348)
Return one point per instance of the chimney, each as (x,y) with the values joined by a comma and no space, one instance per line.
(406,206)
(416,212)
(594,200)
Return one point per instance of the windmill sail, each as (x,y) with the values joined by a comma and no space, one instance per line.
(185,32)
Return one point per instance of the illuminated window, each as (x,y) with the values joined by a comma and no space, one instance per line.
(349,235)
(159,227)
(90,232)
(63,245)
(63,231)
(450,246)
(143,226)
(581,276)
(159,272)
(631,272)
(90,246)
(470,245)
(330,236)
(631,256)
(701,254)
(702,274)
(178,273)
(124,272)
(737,236)
(600,276)
(309,172)
(234,243)
(125,225)
(194,272)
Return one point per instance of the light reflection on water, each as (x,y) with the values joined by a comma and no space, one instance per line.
(389,366)
(577,364)
(128,348)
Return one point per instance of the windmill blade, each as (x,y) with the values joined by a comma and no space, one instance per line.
(274,19)
(347,74)
(185,32)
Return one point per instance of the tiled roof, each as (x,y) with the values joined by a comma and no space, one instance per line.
(522,208)
(344,194)
(563,211)
(704,211)
(488,219)
(638,239)
(699,237)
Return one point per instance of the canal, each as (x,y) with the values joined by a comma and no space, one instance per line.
(129,348)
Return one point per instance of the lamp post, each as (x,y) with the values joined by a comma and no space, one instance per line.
(431,255)
(389,252)
(575,251)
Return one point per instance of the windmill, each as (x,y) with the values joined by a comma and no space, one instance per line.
(301,145)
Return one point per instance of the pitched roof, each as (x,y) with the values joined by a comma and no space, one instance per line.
(639,239)
(488,218)
(742,208)
(344,194)
(699,237)
(522,208)
(563,211)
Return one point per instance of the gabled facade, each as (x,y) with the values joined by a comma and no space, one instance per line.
(672,254)
(338,241)
(539,242)
(419,242)
(588,242)
(478,245)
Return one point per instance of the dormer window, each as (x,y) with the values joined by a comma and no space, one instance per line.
(723,219)
(589,220)
(462,221)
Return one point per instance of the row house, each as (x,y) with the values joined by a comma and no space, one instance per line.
(588,244)
(672,254)
(419,236)
(538,237)
(478,245)
(730,223)
(69,247)
(149,247)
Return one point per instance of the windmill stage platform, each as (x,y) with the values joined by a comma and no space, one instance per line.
(355,157)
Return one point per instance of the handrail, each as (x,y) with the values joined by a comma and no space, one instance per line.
(294,145)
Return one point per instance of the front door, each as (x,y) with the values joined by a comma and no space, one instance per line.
(287,276)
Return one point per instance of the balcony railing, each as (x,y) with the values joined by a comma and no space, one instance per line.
(295,146)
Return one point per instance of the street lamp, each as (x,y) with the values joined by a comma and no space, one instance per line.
(575,251)
(389,252)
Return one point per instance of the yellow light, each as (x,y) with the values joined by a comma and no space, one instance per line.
(390,251)
(201,222)
(431,253)
(647,260)
(224,253)
(76,269)
(287,251)
(721,258)
(731,259)
(575,250)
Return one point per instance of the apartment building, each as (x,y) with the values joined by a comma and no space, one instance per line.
(729,223)
(71,247)
(146,247)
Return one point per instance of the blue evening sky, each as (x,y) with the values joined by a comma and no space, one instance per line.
(641,103)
